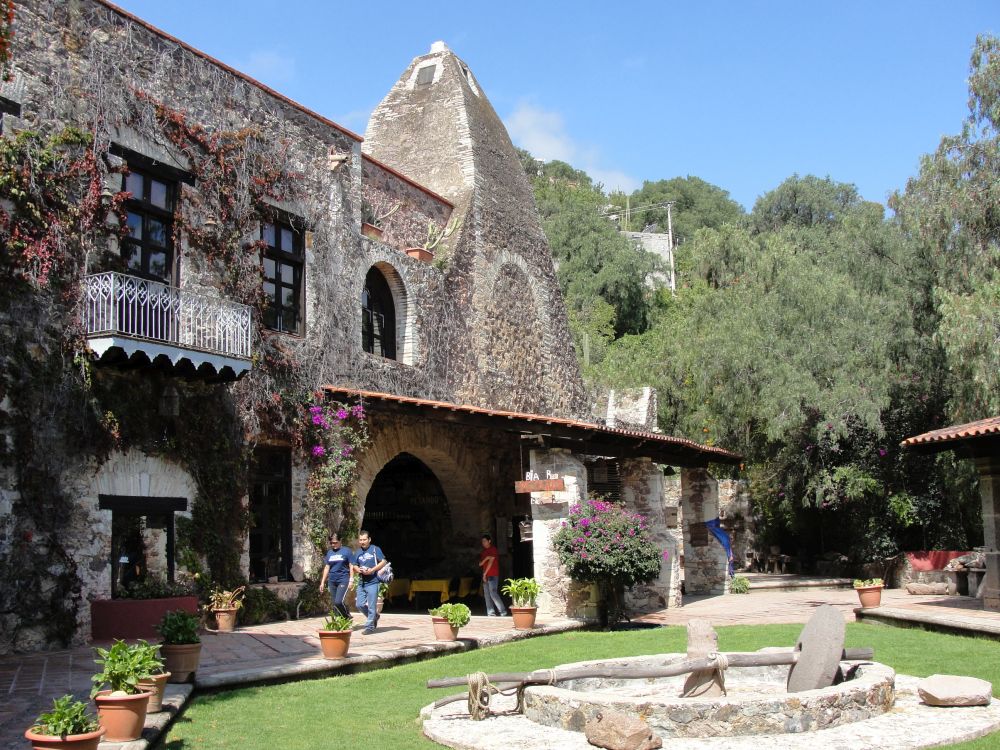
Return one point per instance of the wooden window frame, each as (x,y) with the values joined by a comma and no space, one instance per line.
(294,258)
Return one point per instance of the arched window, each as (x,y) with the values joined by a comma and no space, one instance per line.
(378,316)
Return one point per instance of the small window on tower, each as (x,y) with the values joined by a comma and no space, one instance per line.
(425,75)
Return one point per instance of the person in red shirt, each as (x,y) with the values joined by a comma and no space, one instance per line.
(489,561)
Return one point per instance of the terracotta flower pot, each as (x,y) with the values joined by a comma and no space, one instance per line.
(225,619)
(181,660)
(122,715)
(524,617)
(870,596)
(443,630)
(371,231)
(157,685)
(335,643)
(420,254)
(86,741)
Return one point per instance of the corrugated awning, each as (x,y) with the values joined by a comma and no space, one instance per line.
(582,437)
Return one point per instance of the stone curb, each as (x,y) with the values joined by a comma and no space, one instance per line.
(320,667)
(174,700)
(909,618)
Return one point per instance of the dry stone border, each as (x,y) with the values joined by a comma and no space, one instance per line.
(909,726)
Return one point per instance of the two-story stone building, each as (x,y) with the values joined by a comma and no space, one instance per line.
(209,270)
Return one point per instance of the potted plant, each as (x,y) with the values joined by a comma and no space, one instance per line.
(523,592)
(67,725)
(383,591)
(156,683)
(448,618)
(121,710)
(435,236)
(181,646)
(372,218)
(335,635)
(225,605)
(869,591)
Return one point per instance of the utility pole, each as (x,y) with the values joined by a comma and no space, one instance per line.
(672,281)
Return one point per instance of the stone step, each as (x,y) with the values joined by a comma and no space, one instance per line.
(761,582)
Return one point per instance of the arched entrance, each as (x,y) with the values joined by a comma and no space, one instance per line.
(408,517)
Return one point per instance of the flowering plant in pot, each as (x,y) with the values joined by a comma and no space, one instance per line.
(523,592)
(181,646)
(335,635)
(67,725)
(602,542)
(869,591)
(224,605)
(121,710)
(448,618)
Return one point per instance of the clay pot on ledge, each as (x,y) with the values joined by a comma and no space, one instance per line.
(123,716)
(425,256)
(334,643)
(524,617)
(180,660)
(157,685)
(225,619)
(443,630)
(870,596)
(371,231)
(88,741)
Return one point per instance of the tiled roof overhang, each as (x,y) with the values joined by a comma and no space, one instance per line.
(973,438)
(581,437)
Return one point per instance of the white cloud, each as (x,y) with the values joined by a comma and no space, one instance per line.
(269,67)
(543,133)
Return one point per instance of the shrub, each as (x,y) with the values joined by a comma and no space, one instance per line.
(522,591)
(178,628)
(262,605)
(123,666)
(155,588)
(867,583)
(311,602)
(739,585)
(603,541)
(457,614)
(68,716)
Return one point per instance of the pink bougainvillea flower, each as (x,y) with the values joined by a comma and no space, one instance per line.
(357,411)
(318,450)
(666,554)
(341,414)
(346,450)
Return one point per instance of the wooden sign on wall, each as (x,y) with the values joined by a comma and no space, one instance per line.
(540,485)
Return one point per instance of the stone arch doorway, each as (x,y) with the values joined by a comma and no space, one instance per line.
(408,516)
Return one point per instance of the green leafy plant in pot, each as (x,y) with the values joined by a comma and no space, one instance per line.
(156,683)
(121,710)
(523,593)
(869,591)
(335,635)
(224,605)
(67,725)
(448,618)
(181,646)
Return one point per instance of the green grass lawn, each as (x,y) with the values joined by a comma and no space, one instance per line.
(380,709)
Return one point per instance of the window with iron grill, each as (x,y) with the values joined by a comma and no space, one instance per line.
(378,317)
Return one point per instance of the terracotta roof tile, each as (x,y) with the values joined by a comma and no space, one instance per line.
(712,453)
(980,428)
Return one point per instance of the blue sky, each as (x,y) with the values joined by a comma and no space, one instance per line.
(742,94)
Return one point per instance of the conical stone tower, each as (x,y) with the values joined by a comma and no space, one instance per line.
(509,341)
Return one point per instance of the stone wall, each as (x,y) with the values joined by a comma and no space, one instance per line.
(734,513)
(413,207)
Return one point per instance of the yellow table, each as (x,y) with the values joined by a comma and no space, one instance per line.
(399,587)
(439,585)
(467,586)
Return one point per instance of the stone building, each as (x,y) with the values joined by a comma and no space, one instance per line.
(208,279)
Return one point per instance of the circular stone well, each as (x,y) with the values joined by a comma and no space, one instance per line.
(756,702)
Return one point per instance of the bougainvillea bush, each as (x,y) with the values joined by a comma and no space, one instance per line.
(332,434)
(603,542)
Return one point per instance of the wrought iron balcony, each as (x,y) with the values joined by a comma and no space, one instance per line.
(138,316)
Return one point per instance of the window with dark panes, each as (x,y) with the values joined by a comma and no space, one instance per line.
(148,250)
(425,76)
(283,266)
(378,316)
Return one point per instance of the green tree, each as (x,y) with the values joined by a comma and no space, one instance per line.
(697,204)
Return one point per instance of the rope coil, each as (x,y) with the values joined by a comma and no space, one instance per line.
(720,661)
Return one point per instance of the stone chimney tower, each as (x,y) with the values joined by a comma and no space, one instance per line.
(511,348)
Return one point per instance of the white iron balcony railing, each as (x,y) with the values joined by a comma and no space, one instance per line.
(116,305)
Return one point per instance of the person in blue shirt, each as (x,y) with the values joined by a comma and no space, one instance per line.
(337,573)
(368,560)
